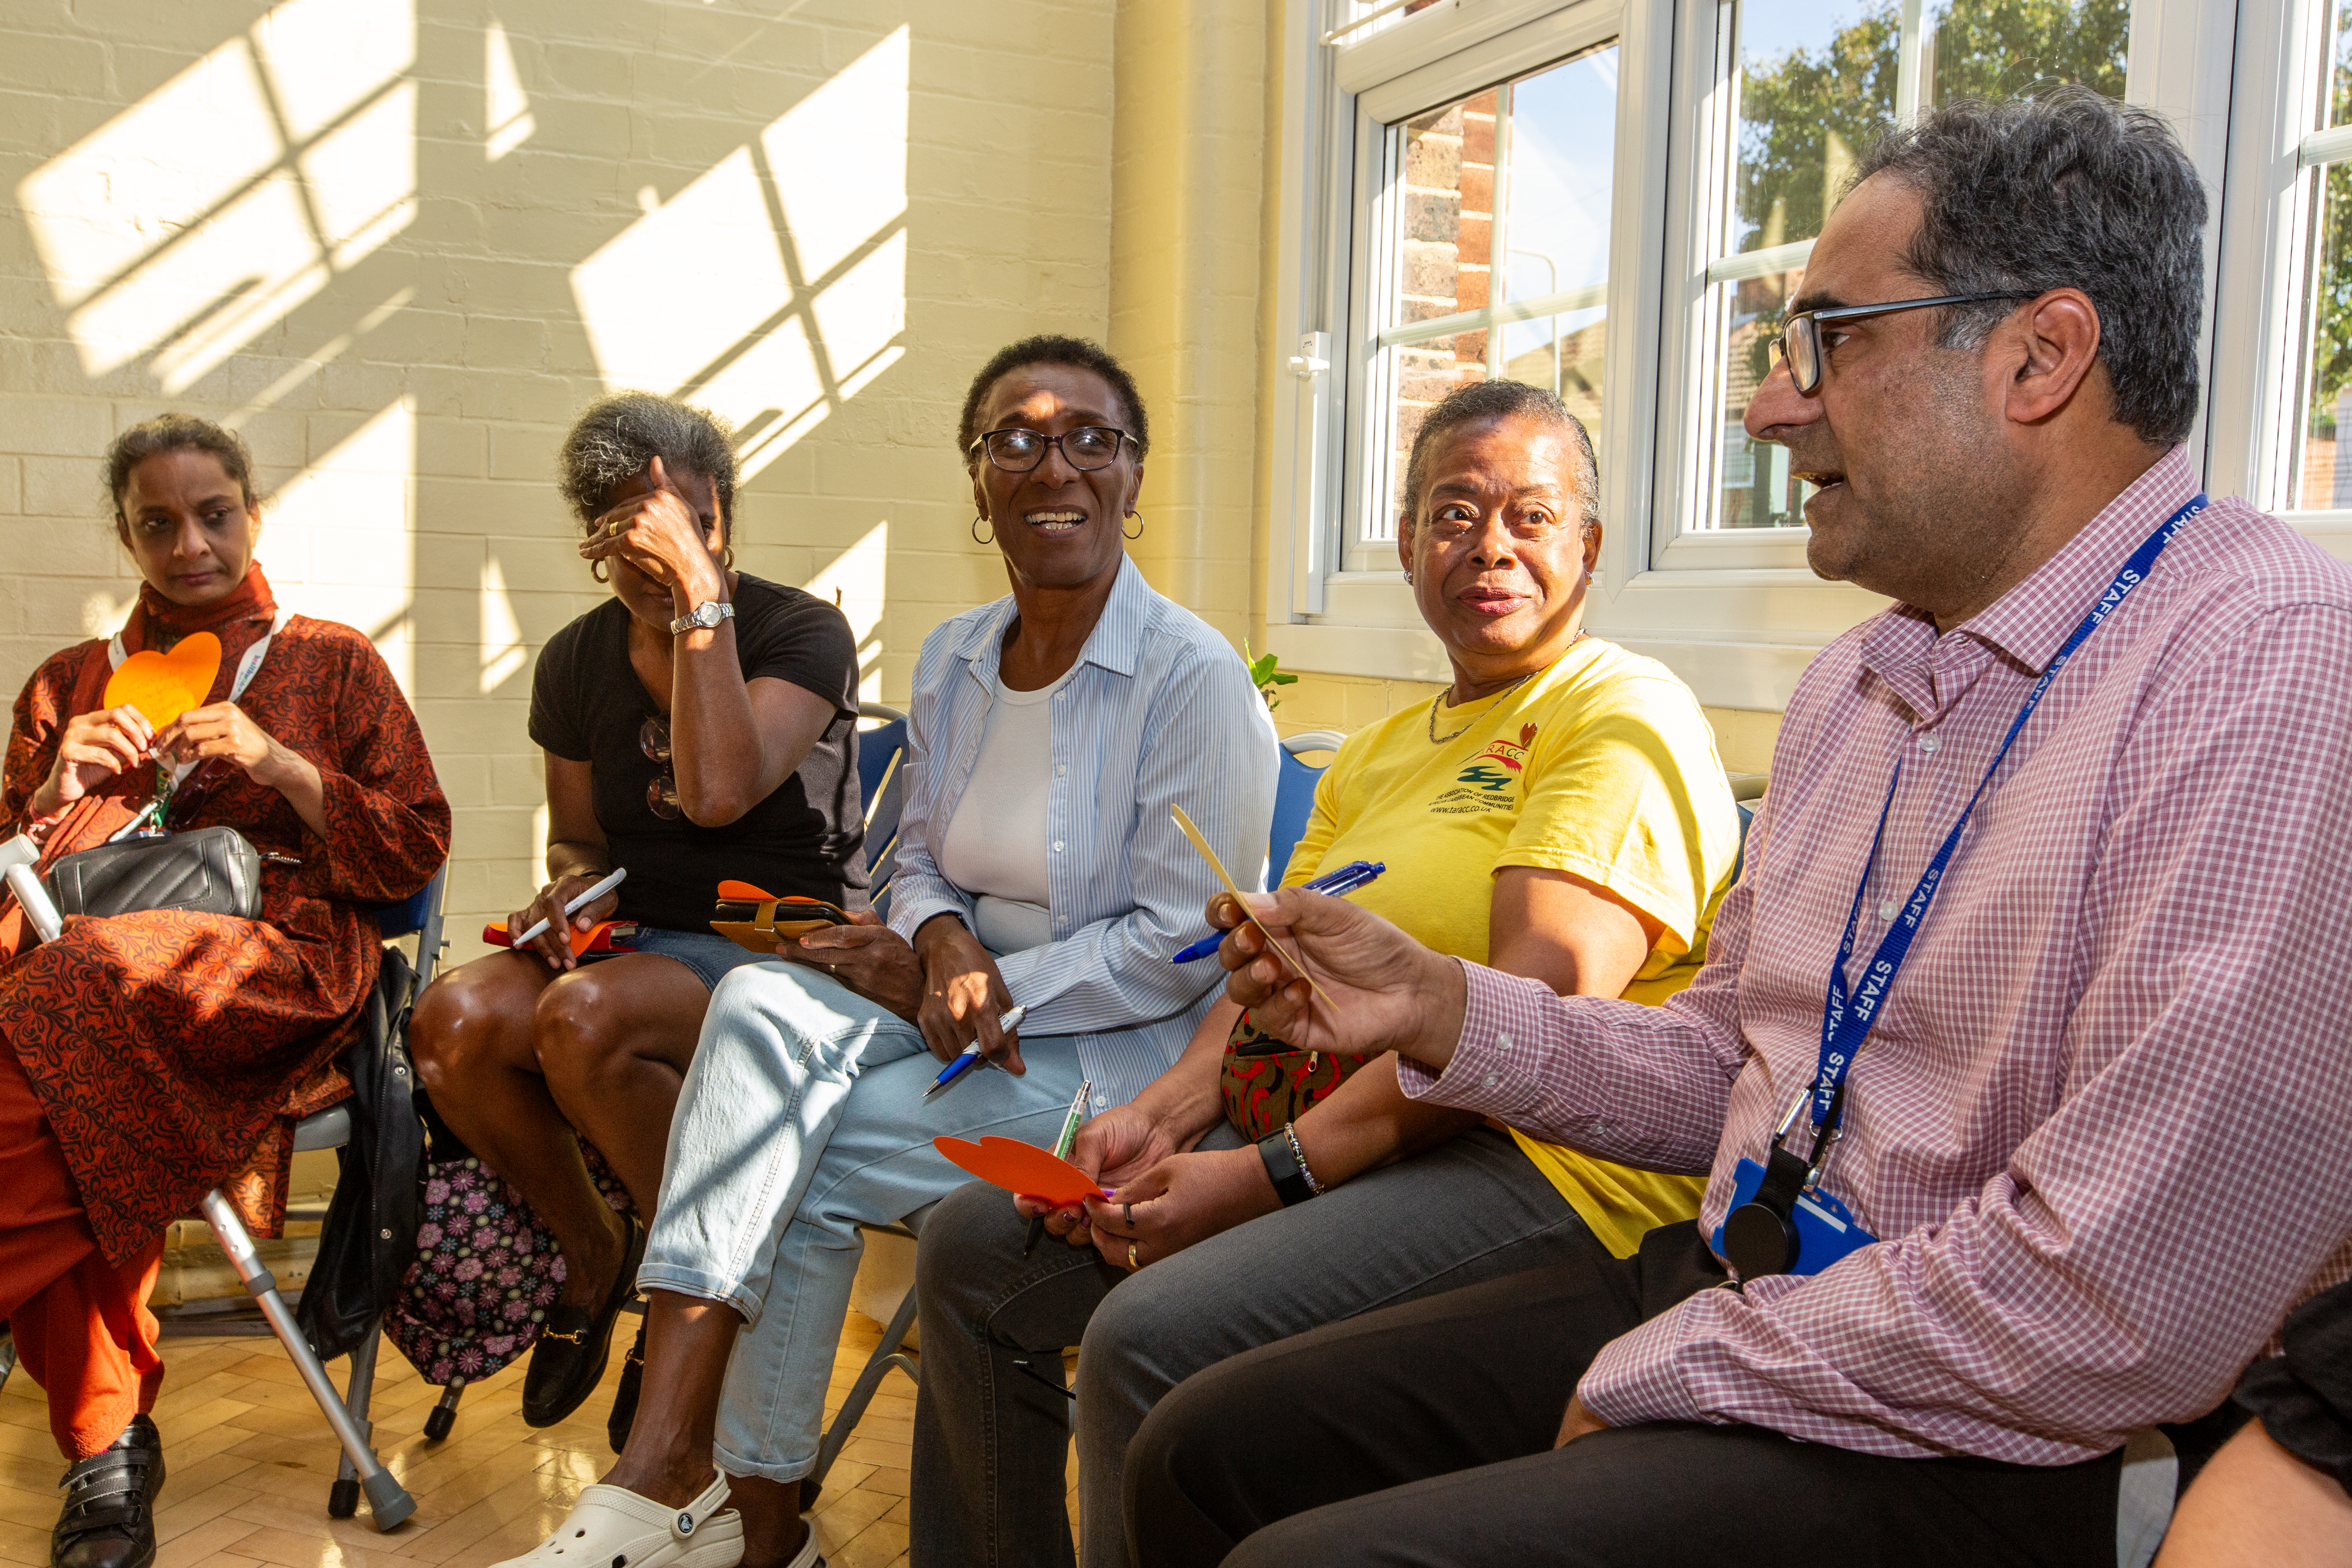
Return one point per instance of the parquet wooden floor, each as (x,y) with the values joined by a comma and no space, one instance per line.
(249,1459)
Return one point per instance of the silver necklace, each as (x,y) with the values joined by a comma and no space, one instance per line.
(1435,702)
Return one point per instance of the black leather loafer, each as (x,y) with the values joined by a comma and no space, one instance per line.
(574,1343)
(109,1521)
(624,1397)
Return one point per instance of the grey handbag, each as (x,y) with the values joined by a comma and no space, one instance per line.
(210,872)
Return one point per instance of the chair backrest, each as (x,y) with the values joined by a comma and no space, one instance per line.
(1294,798)
(420,917)
(876,747)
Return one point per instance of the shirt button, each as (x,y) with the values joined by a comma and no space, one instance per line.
(1886,911)
(1491,1080)
(1502,1042)
(1101,1099)
(1598,1127)
(1060,769)
(1927,743)
(1057,846)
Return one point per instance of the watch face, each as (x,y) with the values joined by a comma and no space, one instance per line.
(707,614)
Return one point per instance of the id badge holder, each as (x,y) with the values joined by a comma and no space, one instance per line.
(1826,1230)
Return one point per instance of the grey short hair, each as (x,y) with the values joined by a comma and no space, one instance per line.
(618,437)
(1483,400)
(2068,190)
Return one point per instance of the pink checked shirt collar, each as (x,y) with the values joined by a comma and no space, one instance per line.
(2104,1126)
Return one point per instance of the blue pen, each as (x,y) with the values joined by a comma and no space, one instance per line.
(971,1057)
(1346,879)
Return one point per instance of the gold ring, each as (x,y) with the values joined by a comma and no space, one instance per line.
(1133,1263)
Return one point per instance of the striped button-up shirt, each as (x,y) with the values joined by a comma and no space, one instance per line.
(1160,712)
(2103,1129)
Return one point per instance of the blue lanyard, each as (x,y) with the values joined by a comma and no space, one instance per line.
(1847,1014)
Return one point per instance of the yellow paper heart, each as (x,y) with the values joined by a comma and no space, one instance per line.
(163,686)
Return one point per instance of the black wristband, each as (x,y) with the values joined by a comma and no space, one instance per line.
(1282,1169)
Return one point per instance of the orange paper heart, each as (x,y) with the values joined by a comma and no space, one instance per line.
(495,935)
(1023,1169)
(163,686)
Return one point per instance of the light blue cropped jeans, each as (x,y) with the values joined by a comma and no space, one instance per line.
(802,1118)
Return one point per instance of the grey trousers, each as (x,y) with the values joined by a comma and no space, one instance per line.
(991,1435)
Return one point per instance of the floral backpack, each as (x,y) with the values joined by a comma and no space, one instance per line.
(486,1269)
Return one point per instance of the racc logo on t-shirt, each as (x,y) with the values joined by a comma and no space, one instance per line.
(1490,781)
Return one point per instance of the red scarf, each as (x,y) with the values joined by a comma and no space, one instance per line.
(239,619)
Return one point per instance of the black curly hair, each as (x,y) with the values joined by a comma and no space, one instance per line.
(178,433)
(1050,348)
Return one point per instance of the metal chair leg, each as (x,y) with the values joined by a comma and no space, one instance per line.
(343,1497)
(443,1416)
(887,1354)
(388,1501)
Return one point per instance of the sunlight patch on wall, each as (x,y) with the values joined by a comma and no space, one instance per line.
(336,540)
(782,270)
(506,111)
(207,211)
(503,655)
(860,575)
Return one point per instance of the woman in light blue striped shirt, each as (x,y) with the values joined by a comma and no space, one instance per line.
(1039,866)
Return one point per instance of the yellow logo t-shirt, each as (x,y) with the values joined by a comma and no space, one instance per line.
(1602,767)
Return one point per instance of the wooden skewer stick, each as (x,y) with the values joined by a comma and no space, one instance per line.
(875,804)
(1200,843)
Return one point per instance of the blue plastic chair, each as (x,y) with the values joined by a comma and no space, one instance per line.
(876,747)
(1294,798)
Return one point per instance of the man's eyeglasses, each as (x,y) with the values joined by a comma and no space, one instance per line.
(1799,341)
(1089,446)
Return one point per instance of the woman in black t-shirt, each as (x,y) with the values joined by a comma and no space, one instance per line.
(701,724)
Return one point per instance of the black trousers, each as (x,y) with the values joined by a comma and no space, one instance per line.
(1422,1436)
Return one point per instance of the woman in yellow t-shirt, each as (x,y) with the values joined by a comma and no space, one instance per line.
(1559,812)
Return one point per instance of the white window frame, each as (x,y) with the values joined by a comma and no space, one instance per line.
(1734,611)
(2255,413)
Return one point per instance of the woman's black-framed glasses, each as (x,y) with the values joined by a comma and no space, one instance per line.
(1800,340)
(661,793)
(1086,448)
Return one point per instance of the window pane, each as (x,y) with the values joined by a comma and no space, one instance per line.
(1501,213)
(2325,460)
(1558,158)
(1813,87)
(2337,67)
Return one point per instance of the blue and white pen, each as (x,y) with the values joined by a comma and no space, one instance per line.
(951,1073)
(1346,879)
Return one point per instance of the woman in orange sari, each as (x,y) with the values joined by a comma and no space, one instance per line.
(152,1056)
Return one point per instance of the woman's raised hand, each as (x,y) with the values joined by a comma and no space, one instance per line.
(93,748)
(963,995)
(660,536)
(554,943)
(1113,1148)
(1386,991)
(868,957)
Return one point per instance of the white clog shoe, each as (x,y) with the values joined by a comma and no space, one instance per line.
(611,1527)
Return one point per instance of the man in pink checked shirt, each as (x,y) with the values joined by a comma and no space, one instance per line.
(2051,1171)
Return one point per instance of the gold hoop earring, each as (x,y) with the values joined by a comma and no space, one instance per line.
(976,521)
(597,570)
(1138,527)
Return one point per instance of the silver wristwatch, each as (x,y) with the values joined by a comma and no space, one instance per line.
(702,618)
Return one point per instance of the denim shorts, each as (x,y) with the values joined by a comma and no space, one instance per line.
(708,953)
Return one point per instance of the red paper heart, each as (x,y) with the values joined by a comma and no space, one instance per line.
(163,686)
(1023,1169)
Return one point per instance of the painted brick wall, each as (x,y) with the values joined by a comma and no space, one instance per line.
(398,243)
